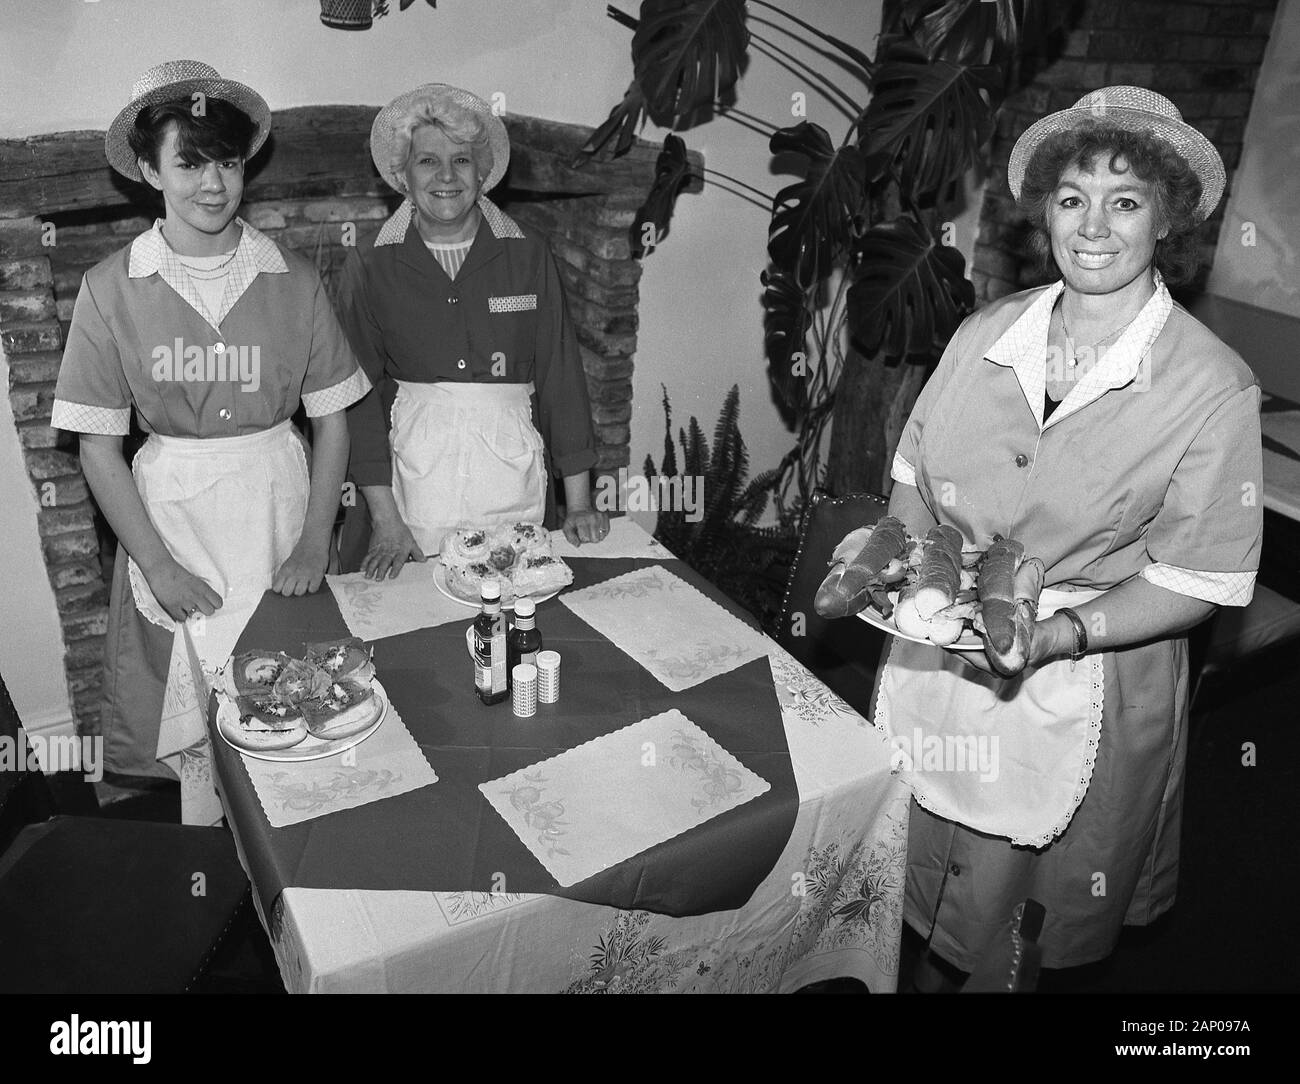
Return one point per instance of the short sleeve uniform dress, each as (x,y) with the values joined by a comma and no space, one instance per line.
(1150,467)
(223,475)
(480,397)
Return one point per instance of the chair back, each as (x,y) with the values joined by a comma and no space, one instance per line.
(1011,962)
(844,653)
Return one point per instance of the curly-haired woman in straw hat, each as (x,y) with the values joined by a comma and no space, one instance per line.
(1099,424)
(212,334)
(457,314)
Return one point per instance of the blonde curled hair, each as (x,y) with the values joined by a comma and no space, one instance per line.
(457,123)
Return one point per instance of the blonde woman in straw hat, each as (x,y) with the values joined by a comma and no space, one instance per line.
(457,314)
(1103,427)
(212,335)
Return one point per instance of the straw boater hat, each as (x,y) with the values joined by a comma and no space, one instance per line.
(180,79)
(382,137)
(1136,110)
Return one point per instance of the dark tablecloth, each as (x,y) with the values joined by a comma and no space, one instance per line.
(447,837)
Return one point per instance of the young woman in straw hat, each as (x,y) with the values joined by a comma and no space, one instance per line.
(457,314)
(213,335)
(1099,424)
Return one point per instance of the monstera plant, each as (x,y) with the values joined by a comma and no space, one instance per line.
(864,286)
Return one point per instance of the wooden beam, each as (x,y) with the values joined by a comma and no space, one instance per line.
(313,151)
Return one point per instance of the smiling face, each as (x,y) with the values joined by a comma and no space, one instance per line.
(201,199)
(1104,227)
(443,181)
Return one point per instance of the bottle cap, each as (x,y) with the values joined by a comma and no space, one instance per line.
(525,607)
(490,591)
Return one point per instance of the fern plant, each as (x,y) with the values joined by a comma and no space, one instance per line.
(721,538)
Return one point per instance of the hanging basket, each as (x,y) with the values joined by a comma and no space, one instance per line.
(347,14)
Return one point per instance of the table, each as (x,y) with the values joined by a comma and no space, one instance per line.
(802,883)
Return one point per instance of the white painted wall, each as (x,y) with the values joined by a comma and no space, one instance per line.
(31,641)
(1262,206)
(69,64)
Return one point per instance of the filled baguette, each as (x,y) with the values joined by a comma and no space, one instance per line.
(1009,606)
(857,566)
(940,575)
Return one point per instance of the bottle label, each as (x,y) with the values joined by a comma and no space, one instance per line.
(498,662)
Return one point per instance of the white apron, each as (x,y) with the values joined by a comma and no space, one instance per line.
(230,509)
(1010,758)
(465,455)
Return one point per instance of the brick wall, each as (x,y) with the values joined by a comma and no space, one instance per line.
(39,283)
(32,342)
(1203,57)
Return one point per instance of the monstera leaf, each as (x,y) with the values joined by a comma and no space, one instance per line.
(671,172)
(909,292)
(686,54)
(927,119)
(813,219)
(977,32)
(625,119)
(786,319)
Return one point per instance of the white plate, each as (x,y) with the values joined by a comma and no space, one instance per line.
(440,582)
(967,641)
(310,748)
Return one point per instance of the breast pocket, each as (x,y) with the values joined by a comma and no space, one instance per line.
(512,334)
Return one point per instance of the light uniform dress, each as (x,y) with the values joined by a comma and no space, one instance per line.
(214,378)
(481,399)
(1150,467)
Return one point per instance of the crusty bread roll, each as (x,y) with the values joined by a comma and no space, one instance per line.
(264,722)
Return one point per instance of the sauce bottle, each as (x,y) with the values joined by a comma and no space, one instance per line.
(490,673)
(524,641)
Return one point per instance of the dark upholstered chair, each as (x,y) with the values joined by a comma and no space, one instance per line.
(844,653)
(1010,964)
(91,905)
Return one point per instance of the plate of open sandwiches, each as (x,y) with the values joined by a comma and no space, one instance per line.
(517,556)
(273,706)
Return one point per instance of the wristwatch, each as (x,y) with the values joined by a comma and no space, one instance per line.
(1080,633)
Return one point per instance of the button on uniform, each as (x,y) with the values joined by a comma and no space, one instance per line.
(460,364)
(452,300)
(1022,460)
(955,870)
(224,414)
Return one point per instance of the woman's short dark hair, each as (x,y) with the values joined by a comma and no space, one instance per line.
(1176,189)
(215,133)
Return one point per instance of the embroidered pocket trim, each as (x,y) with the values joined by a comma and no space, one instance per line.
(512,303)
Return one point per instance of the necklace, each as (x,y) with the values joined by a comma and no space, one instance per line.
(1073,359)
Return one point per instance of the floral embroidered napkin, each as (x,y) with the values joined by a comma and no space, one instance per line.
(666,625)
(387,763)
(200,648)
(620,794)
(374,609)
(625,539)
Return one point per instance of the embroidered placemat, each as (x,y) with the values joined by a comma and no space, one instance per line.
(375,609)
(666,625)
(620,794)
(387,763)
